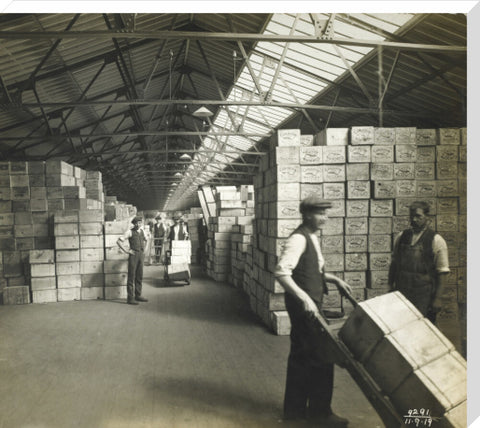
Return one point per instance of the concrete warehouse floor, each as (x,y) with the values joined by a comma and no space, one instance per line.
(193,356)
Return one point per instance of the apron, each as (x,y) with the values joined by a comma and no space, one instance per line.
(415,277)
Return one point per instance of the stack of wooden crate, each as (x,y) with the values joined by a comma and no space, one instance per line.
(411,361)
(116,261)
(194,221)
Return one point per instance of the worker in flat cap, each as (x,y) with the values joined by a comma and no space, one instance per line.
(301,272)
(419,268)
(136,238)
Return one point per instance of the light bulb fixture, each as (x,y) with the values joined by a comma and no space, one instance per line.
(185,157)
(202,112)
(177,174)
(174,184)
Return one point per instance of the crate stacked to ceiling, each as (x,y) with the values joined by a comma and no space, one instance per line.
(194,220)
(229,206)
(371,175)
(241,238)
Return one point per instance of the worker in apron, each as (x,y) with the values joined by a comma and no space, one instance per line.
(419,265)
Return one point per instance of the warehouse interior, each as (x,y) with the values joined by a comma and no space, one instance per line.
(231,119)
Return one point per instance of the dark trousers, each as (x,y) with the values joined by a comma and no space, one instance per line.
(158,242)
(135,274)
(309,387)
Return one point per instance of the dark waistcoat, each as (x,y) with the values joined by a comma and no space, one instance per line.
(137,240)
(307,273)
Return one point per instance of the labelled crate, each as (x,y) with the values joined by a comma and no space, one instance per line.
(358,189)
(381,207)
(306,140)
(384,136)
(384,189)
(405,135)
(356,262)
(379,262)
(334,262)
(334,173)
(379,225)
(356,243)
(286,137)
(449,136)
(286,191)
(359,154)
(426,154)
(287,173)
(404,171)
(334,155)
(447,170)
(406,188)
(426,188)
(356,225)
(357,208)
(426,137)
(333,191)
(447,188)
(405,153)
(379,243)
(332,244)
(311,155)
(357,281)
(311,174)
(382,154)
(334,226)
(362,135)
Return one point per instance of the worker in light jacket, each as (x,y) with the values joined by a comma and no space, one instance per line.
(136,238)
(419,267)
(301,272)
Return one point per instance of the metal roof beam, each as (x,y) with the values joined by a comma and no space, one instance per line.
(251,37)
(358,110)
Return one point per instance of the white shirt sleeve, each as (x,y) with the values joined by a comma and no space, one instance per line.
(293,250)
(440,254)
(126,235)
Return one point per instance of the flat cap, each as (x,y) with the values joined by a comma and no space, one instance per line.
(312,203)
(137,218)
